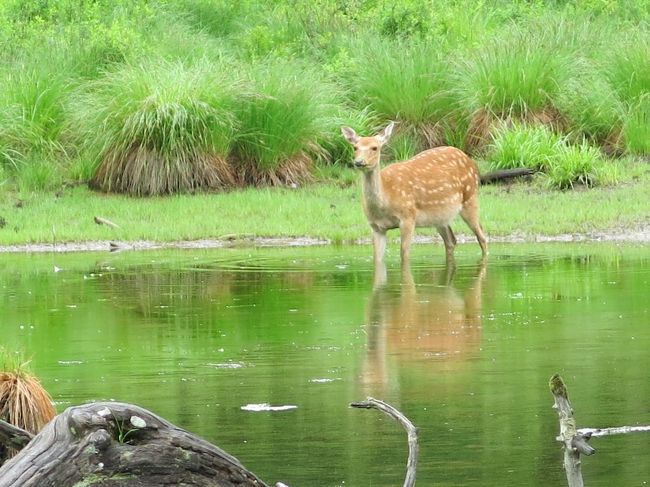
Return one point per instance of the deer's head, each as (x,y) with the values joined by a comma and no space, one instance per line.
(367,150)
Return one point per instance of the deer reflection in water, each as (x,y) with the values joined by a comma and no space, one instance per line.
(429,322)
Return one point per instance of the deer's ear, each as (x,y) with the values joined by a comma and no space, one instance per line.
(350,135)
(385,134)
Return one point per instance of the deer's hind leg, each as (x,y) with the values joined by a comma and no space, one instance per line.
(470,214)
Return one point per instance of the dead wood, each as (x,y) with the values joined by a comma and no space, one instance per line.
(502,175)
(411,430)
(117,444)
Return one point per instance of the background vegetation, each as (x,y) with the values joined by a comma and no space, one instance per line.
(152,97)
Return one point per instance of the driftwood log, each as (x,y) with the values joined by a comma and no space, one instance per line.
(503,174)
(117,444)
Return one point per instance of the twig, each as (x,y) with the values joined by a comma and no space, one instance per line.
(103,221)
(411,430)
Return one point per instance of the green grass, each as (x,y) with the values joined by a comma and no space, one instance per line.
(327,210)
(518,73)
(158,127)
(151,91)
(523,145)
(628,66)
(404,82)
(285,121)
(636,130)
(575,164)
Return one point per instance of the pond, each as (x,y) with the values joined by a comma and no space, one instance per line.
(202,337)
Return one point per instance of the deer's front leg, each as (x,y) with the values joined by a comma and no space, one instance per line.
(378,244)
(406,228)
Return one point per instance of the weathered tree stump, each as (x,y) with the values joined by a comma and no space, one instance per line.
(117,444)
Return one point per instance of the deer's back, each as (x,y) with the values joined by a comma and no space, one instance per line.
(435,183)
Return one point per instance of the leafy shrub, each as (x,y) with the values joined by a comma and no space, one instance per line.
(159,128)
(407,18)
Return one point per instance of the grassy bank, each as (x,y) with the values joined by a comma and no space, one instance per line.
(329,210)
(203,100)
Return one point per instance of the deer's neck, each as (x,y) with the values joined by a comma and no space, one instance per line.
(373,191)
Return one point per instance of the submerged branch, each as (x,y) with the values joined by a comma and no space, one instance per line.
(411,431)
(619,430)
(574,444)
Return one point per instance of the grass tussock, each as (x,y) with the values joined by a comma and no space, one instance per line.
(285,122)
(563,164)
(405,82)
(523,145)
(23,400)
(636,130)
(159,128)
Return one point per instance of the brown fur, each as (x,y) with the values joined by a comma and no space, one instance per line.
(430,189)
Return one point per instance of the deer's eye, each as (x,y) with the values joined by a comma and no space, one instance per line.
(374,149)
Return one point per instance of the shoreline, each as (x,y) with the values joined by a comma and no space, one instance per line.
(637,236)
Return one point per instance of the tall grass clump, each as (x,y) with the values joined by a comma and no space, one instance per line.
(575,164)
(538,147)
(158,128)
(628,67)
(23,400)
(592,108)
(33,124)
(522,145)
(285,122)
(405,82)
(636,130)
(518,75)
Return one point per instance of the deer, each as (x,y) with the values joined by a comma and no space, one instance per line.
(430,189)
